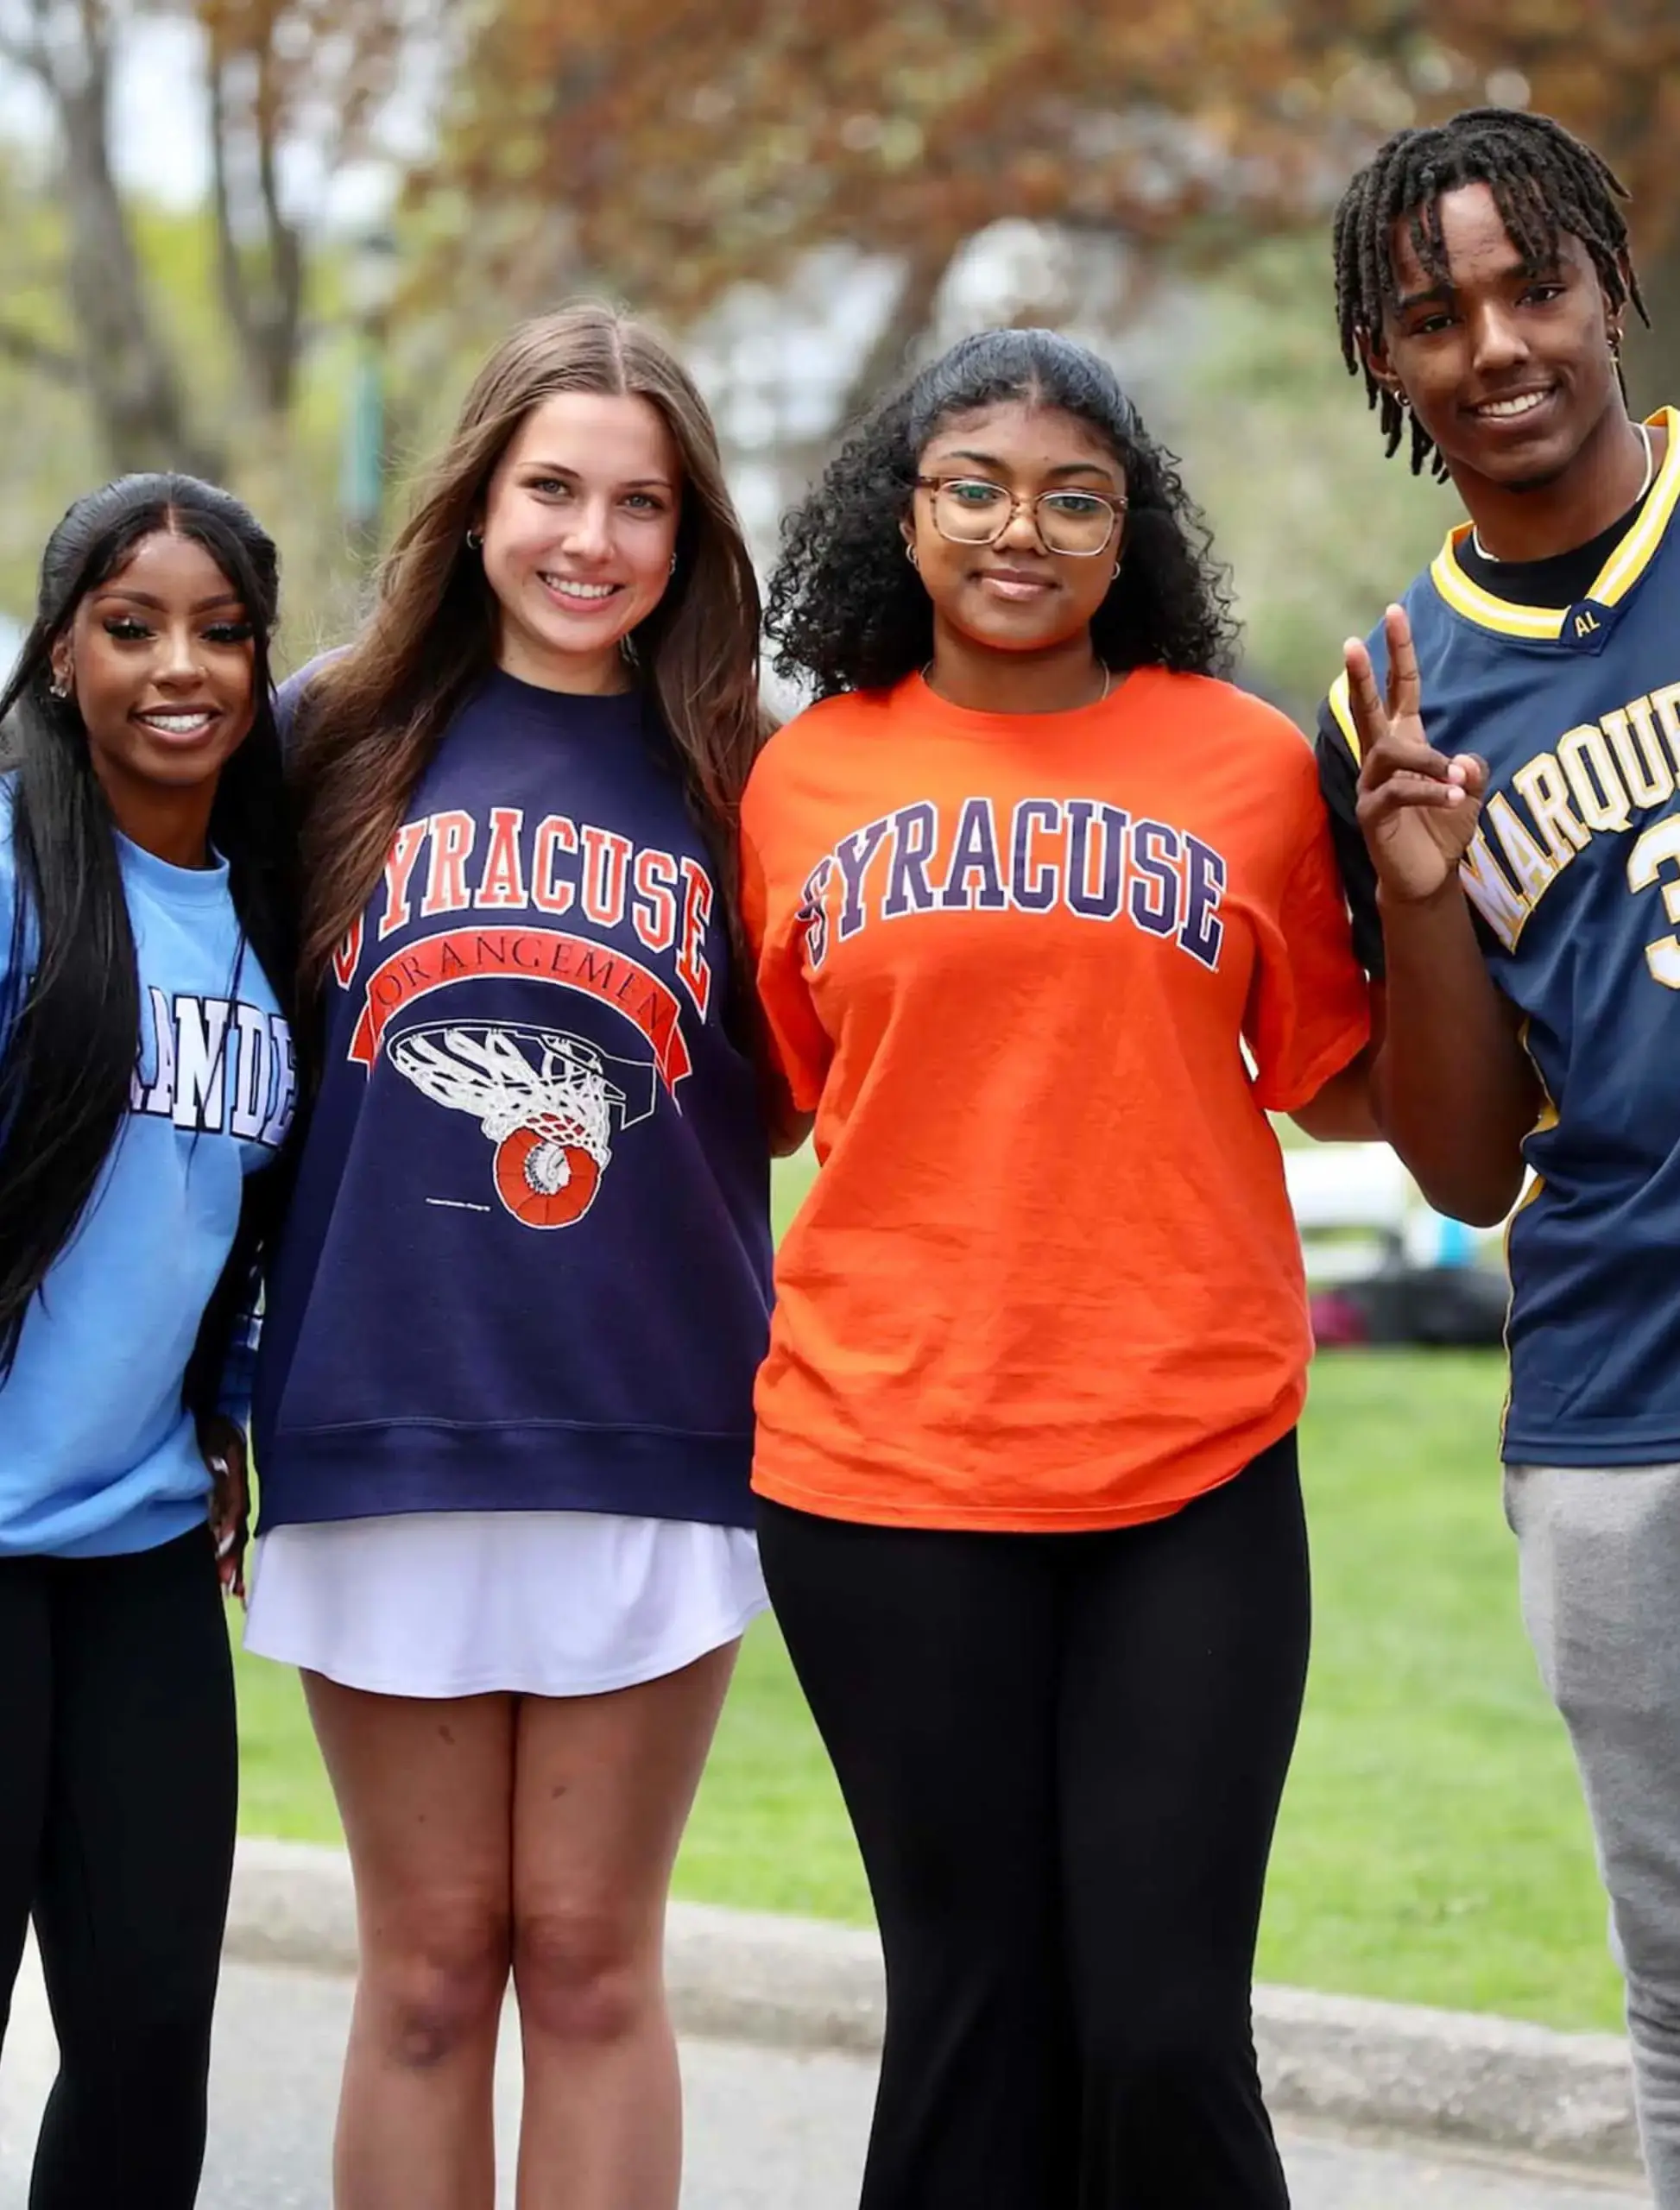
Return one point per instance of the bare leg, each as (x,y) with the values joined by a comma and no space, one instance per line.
(425,1788)
(603,1790)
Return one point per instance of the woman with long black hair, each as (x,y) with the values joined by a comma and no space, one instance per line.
(146,1085)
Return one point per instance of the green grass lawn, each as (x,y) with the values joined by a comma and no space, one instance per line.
(1433,1847)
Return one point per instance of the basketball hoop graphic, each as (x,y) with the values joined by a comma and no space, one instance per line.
(545,1099)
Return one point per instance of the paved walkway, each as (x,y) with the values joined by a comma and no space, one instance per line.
(767,2130)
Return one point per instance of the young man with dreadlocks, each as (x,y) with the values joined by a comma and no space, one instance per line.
(1502,759)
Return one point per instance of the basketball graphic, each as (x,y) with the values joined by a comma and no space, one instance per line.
(543,1180)
(546,1099)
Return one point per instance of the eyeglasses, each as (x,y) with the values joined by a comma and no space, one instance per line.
(967,510)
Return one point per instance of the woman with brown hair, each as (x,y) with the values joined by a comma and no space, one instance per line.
(503,1414)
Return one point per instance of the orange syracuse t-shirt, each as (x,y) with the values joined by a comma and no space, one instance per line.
(1040,978)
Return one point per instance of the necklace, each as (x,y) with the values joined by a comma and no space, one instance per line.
(1107,684)
(1481,550)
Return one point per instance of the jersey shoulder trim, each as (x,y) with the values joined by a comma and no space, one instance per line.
(1544,624)
(1342,708)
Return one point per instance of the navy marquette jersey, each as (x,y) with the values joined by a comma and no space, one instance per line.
(1574,877)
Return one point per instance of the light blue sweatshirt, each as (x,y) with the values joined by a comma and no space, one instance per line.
(98,1455)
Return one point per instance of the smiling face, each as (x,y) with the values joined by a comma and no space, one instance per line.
(1509,368)
(580,529)
(160,662)
(1014,595)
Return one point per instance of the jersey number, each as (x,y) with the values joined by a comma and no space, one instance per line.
(1645,868)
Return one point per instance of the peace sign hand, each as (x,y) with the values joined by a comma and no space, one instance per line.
(1418,810)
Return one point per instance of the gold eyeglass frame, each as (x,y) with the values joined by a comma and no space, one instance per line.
(1117,503)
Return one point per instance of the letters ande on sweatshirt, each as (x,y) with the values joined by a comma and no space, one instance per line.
(218,1066)
(1078,854)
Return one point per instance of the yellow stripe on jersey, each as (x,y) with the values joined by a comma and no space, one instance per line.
(1480,606)
(1632,556)
(1342,706)
(1547,1118)
(1613,581)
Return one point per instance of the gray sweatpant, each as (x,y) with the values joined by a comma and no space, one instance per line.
(1599,1551)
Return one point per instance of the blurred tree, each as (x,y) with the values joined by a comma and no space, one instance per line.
(273,73)
(674,159)
(1317,526)
(668,156)
(1611,70)
(43,419)
(118,351)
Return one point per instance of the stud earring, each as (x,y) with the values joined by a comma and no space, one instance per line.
(59,687)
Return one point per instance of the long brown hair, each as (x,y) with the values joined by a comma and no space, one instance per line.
(372,716)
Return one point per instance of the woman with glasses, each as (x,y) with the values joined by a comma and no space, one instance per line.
(1046,922)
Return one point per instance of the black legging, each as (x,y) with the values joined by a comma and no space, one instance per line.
(117,1822)
(1063,1755)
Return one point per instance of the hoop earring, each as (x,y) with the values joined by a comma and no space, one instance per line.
(674,564)
(476,540)
(1116,572)
(910,555)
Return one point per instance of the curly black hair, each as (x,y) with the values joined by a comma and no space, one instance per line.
(847,610)
(1545,183)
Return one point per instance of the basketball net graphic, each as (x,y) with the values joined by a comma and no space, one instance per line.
(544,1098)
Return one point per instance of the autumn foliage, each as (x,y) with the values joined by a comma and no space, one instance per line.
(668,150)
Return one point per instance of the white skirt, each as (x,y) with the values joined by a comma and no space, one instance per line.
(467,1603)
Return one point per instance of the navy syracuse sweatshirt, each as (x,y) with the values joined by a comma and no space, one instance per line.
(528,1267)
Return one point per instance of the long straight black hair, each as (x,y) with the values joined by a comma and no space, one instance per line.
(70,999)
